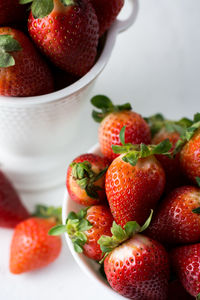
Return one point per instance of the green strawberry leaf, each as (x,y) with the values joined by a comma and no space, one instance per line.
(8,44)
(131,228)
(57,230)
(25,1)
(84,225)
(42,211)
(147,223)
(41,9)
(122,135)
(198,297)
(68,2)
(118,232)
(198,181)
(196,210)
(196,117)
(78,248)
(82,213)
(106,106)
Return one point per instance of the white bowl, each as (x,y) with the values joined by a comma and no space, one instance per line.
(88,266)
(35,131)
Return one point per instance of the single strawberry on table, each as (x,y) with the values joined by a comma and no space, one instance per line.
(12,210)
(177,219)
(112,118)
(23,72)
(31,246)
(186,263)
(107,12)
(85,228)
(86,179)
(66,31)
(135,180)
(136,266)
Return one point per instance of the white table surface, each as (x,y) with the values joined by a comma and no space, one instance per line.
(156,66)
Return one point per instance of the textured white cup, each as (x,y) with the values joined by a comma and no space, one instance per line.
(35,131)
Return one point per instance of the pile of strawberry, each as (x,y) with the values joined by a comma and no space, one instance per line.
(53,46)
(142,203)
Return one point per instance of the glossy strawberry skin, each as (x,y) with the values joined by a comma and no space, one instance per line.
(133,191)
(138,269)
(171,166)
(31,247)
(30,76)
(186,263)
(79,195)
(137,131)
(12,210)
(190,157)
(107,12)
(101,220)
(11,11)
(174,222)
(68,36)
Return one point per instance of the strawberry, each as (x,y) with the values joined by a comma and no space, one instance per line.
(67,31)
(31,247)
(23,72)
(107,12)
(177,219)
(86,179)
(135,180)
(186,262)
(162,129)
(11,11)
(85,228)
(189,147)
(12,210)
(113,118)
(136,266)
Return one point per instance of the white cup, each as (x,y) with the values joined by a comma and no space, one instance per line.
(35,131)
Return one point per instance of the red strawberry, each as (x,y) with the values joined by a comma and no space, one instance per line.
(112,119)
(23,72)
(135,180)
(190,157)
(177,220)
(186,263)
(67,32)
(85,228)
(107,12)
(137,268)
(86,179)
(11,11)
(177,291)
(12,210)
(31,247)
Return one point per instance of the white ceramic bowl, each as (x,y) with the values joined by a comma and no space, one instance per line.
(35,131)
(88,266)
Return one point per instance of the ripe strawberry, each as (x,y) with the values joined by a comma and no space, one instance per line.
(85,228)
(135,180)
(186,262)
(112,119)
(23,72)
(86,179)
(67,31)
(11,11)
(137,268)
(107,12)
(31,247)
(177,220)
(12,210)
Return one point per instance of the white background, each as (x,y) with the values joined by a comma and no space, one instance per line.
(156,66)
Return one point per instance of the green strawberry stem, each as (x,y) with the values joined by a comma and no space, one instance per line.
(46,212)
(134,152)
(8,44)
(198,297)
(85,178)
(187,134)
(157,122)
(120,235)
(76,225)
(105,105)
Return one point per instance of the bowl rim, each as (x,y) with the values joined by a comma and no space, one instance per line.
(80,259)
(84,81)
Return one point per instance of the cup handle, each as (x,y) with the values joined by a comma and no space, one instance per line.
(125,24)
